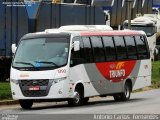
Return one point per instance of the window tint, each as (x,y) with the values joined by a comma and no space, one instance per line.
(131,47)
(77,57)
(68,1)
(109,48)
(98,49)
(87,50)
(121,49)
(141,47)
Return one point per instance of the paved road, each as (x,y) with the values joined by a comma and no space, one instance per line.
(147,102)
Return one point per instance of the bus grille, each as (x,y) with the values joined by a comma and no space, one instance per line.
(39,93)
(34,82)
(43,84)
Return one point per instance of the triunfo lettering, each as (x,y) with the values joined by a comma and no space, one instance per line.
(117,73)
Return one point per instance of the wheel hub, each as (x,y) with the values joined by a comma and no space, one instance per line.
(76,97)
(127,92)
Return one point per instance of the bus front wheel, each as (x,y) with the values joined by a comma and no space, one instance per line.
(76,101)
(124,96)
(26,104)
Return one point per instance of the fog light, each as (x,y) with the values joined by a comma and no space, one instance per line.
(60,92)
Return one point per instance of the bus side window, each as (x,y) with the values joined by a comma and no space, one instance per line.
(77,57)
(98,49)
(131,47)
(141,47)
(109,48)
(68,1)
(87,50)
(121,48)
(83,2)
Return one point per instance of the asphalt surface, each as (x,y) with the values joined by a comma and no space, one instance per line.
(147,102)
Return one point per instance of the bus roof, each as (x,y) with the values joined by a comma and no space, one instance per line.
(82,28)
(111,33)
(83,32)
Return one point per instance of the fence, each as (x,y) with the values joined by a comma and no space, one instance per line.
(17,21)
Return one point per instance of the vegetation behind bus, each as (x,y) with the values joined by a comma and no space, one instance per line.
(156,74)
(5,92)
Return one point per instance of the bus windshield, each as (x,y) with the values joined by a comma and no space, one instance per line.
(149,30)
(42,53)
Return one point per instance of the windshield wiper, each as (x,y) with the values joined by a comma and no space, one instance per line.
(47,62)
(26,63)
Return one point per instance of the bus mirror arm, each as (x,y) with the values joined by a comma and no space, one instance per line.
(76,45)
(14,48)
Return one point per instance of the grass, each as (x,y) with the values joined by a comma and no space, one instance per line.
(5,91)
(156,74)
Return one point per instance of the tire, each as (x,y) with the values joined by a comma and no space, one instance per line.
(85,100)
(77,100)
(26,104)
(125,96)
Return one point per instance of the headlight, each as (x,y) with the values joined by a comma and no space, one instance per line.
(14,81)
(59,80)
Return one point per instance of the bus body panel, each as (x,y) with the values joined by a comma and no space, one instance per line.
(77,74)
(144,75)
(98,83)
(59,88)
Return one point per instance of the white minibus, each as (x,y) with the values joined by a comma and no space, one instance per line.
(74,63)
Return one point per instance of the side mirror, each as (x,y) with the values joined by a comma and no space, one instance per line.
(76,45)
(14,48)
(156,51)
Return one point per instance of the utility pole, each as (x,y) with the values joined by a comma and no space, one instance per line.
(129,6)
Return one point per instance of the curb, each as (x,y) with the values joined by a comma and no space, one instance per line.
(9,102)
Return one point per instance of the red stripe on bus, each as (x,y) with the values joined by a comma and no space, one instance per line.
(116,71)
(110,33)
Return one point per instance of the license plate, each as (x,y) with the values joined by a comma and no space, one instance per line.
(34,88)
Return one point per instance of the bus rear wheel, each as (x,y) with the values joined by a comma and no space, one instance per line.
(125,95)
(26,104)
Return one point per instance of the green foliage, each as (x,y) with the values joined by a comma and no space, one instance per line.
(5,91)
(156,74)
